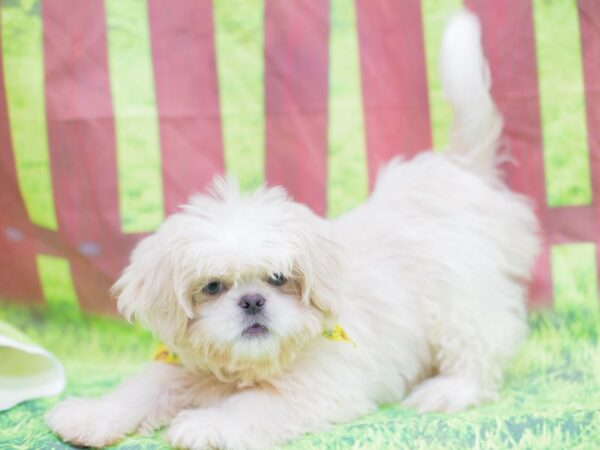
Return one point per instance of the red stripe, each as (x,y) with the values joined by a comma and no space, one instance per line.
(394,80)
(509,42)
(18,271)
(185,74)
(82,148)
(589,23)
(571,224)
(296,59)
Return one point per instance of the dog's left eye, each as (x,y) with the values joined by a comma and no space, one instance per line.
(277,279)
(213,288)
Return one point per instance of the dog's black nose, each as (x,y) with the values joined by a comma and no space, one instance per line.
(252,303)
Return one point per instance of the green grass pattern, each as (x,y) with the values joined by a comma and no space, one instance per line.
(435,14)
(549,399)
(240,69)
(57,284)
(347,183)
(562,102)
(136,118)
(23,63)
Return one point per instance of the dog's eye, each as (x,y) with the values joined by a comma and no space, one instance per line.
(213,288)
(277,279)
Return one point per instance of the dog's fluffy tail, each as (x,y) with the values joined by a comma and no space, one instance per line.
(465,75)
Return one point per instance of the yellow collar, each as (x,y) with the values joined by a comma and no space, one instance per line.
(337,334)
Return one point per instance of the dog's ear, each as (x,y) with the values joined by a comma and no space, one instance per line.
(151,289)
(320,264)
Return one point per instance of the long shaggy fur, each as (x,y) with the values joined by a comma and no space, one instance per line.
(428,277)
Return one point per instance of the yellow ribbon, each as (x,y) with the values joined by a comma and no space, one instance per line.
(338,334)
(165,355)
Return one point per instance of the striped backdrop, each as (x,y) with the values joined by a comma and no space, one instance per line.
(112,112)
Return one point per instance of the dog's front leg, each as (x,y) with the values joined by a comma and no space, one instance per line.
(143,402)
(260,418)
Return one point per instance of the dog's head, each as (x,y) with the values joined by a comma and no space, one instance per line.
(237,284)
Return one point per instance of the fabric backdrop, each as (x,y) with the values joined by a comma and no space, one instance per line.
(113,112)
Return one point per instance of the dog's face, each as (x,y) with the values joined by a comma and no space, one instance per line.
(239,285)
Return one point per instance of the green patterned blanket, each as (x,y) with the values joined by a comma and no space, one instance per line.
(550,400)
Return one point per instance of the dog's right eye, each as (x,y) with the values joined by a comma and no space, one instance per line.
(277,279)
(213,288)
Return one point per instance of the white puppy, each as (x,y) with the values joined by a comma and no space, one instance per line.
(428,277)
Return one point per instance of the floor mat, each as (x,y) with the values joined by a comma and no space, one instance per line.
(550,398)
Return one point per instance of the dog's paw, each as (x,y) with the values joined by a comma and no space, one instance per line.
(85,422)
(201,429)
(445,393)
(195,429)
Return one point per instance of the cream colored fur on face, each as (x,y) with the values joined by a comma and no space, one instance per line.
(428,277)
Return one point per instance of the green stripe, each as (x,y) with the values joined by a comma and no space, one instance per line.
(23,59)
(562,103)
(240,68)
(347,166)
(574,278)
(136,121)
(435,16)
(57,284)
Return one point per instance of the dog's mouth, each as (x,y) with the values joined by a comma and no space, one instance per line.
(255,330)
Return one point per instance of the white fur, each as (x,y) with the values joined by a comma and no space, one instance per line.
(428,277)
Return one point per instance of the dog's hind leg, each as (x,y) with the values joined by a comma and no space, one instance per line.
(471,345)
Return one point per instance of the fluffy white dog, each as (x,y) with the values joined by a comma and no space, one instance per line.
(428,278)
